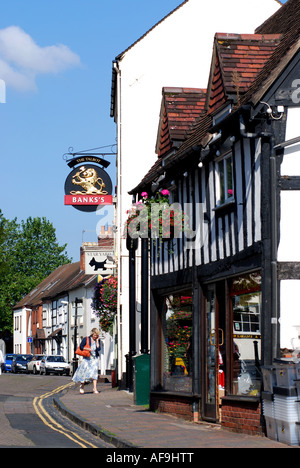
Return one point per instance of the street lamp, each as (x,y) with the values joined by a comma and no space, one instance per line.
(75,359)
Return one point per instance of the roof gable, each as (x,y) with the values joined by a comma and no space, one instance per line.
(236,62)
(278,61)
(180,110)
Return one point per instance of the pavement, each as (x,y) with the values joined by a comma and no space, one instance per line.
(113,416)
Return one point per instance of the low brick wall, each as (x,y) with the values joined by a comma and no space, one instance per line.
(180,406)
(236,414)
(241,416)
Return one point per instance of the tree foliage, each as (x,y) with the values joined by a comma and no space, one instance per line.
(29,252)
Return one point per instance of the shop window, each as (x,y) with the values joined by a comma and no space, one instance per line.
(246,304)
(224,180)
(177,352)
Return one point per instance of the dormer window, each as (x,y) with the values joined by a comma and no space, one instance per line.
(222,114)
(224,180)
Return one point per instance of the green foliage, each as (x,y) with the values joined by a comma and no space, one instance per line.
(105,302)
(155,217)
(29,252)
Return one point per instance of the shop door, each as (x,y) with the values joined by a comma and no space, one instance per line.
(213,339)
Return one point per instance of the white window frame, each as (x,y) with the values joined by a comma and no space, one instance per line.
(222,114)
(228,185)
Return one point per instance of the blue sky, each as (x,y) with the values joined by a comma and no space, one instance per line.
(56,60)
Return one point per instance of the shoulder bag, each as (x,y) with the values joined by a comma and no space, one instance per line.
(85,352)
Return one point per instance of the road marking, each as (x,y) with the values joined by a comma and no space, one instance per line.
(50,422)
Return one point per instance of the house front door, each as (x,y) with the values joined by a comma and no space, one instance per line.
(212,340)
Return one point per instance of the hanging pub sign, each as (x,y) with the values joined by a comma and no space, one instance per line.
(99,262)
(87,186)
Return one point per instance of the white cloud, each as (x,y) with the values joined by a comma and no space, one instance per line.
(21,59)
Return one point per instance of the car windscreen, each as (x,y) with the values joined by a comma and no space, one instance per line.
(56,359)
(9,357)
(23,358)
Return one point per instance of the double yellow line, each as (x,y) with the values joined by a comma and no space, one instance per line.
(50,422)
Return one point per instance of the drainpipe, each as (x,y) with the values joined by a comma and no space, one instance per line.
(243,130)
(118,239)
(131,246)
(144,296)
(274,247)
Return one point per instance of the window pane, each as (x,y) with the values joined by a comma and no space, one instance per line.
(229,193)
(246,302)
(222,181)
(178,343)
(225,180)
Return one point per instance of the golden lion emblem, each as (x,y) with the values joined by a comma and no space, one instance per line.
(88,179)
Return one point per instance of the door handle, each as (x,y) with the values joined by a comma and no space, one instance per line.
(222,336)
(212,337)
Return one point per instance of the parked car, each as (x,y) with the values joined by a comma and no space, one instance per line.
(54,365)
(19,363)
(34,365)
(8,362)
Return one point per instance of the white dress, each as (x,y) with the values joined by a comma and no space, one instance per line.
(88,368)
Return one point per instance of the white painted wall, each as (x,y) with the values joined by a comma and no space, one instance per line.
(289,314)
(177,52)
(289,245)
(20,333)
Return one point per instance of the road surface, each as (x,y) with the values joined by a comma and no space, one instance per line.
(29,420)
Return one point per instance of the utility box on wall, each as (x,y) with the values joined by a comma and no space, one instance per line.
(141,379)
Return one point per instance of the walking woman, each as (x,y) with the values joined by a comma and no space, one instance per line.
(88,368)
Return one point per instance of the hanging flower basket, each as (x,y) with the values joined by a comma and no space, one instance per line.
(104,302)
(155,218)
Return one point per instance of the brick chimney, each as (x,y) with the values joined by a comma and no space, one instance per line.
(106,238)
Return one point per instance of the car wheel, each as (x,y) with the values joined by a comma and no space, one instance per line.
(34,371)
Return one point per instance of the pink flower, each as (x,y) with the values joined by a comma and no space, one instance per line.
(144,194)
(165,192)
(230,192)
